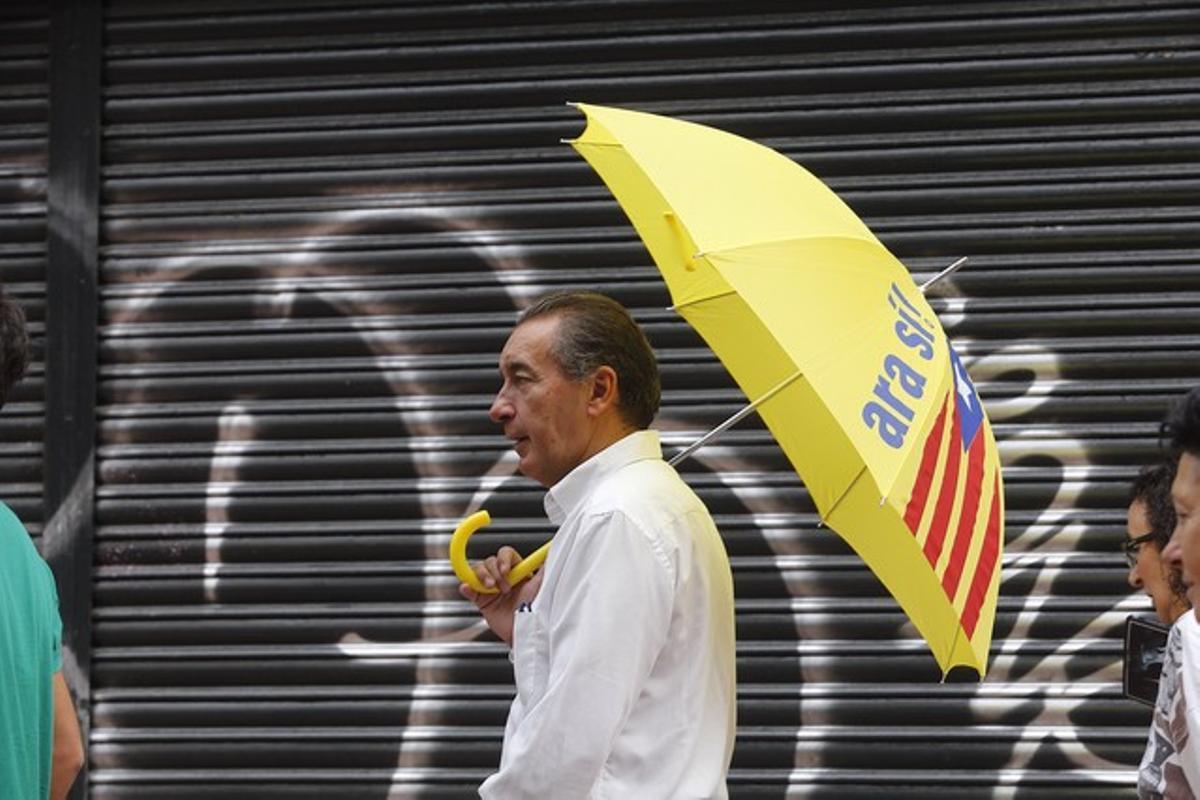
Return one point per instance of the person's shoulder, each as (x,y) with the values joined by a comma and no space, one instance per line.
(636,481)
(9,518)
(14,539)
(647,493)
(17,551)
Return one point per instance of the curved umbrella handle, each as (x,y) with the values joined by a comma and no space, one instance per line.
(462,568)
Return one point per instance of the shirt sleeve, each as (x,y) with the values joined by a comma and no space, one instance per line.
(608,624)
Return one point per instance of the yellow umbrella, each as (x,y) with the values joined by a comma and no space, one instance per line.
(828,336)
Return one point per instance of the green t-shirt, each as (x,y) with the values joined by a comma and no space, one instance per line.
(30,654)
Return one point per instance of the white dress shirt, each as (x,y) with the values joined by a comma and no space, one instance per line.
(624,663)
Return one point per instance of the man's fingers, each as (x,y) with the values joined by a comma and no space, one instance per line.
(508,558)
(493,572)
(488,571)
(491,575)
(496,572)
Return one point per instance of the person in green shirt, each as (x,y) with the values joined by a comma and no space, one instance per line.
(41,750)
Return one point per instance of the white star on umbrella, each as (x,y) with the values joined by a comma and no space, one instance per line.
(964,385)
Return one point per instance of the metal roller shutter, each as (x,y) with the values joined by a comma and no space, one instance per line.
(23,52)
(318,220)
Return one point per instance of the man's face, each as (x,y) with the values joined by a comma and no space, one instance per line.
(1148,572)
(542,410)
(1183,551)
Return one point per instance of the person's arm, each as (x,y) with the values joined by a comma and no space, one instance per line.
(609,623)
(68,745)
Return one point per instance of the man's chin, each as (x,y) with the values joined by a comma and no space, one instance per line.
(529,470)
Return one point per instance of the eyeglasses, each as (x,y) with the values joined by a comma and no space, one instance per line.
(1130,546)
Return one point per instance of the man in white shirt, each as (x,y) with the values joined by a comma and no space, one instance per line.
(1174,769)
(623,644)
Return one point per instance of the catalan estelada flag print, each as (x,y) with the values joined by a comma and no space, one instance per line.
(955,507)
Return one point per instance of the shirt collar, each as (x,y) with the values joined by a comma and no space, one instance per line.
(569,493)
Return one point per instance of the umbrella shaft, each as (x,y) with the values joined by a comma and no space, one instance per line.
(733,420)
(946,273)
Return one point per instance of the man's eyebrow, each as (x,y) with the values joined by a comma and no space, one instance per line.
(514,365)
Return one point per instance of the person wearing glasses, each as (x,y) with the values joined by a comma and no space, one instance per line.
(1150,523)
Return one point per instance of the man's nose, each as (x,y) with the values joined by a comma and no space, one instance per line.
(1173,552)
(1135,580)
(501,409)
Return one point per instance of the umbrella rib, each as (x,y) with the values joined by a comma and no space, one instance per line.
(704,299)
(735,419)
(946,273)
(825,517)
(787,240)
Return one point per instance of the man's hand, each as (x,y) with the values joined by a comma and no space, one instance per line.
(498,609)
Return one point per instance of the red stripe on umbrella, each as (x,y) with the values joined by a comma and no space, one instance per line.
(945,496)
(968,517)
(920,492)
(986,566)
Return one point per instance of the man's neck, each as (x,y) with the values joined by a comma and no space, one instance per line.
(607,433)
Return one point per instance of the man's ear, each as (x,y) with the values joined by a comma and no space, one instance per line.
(605,392)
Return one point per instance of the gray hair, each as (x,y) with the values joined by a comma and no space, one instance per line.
(595,331)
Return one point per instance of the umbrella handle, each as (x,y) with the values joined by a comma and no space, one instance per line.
(462,568)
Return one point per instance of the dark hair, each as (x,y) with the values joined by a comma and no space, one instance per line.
(1152,488)
(596,331)
(1181,428)
(14,345)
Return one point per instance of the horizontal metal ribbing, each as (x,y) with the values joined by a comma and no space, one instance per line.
(319,225)
(23,105)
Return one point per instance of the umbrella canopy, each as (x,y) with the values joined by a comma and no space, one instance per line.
(825,329)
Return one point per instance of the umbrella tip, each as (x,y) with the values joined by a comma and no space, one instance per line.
(573,104)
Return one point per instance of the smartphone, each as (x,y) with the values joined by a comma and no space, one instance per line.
(1145,647)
